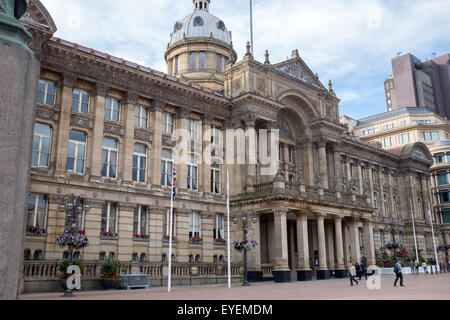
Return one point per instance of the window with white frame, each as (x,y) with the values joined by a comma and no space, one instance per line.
(140,220)
(80,101)
(394,206)
(37,211)
(168,123)
(375,200)
(112,110)
(381,238)
(219,63)
(41,145)
(109,158)
(140,117)
(166,167)
(216,136)
(76,152)
(139,163)
(194,225)
(386,207)
(193,61)
(202,60)
(218,226)
(194,130)
(192,172)
(167,224)
(291,154)
(46,93)
(109,218)
(215,178)
(404,138)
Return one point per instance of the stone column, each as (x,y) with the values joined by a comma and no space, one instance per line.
(323,162)
(181,154)
(125,231)
(207,229)
(207,150)
(156,233)
(322,272)
(128,143)
(155,162)
(360,177)
(281,271)
(68,84)
(355,250)
(381,189)
(369,243)
(18,86)
(425,181)
(254,268)
(338,167)
(308,161)
(96,143)
(330,246)
(340,267)
(93,220)
(370,177)
(304,272)
(250,154)
(292,246)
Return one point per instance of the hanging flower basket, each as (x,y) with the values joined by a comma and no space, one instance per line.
(242,245)
(444,247)
(71,240)
(394,245)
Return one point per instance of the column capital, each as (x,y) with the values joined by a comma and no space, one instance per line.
(321,142)
(337,147)
(158,105)
(184,112)
(250,122)
(278,212)
(69,80)
(228,124)
(131,97)
(101,89)
(271,125)
(208,119)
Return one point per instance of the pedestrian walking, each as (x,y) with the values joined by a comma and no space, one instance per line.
(362,271)
(398,274)
(411,265)
(417,267)
(425,267)
(352,274)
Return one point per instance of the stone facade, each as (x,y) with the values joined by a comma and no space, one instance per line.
(311,218)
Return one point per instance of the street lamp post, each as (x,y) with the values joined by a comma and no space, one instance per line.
(245,225)
(73,206)
(446,251)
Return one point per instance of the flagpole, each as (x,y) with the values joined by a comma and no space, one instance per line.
(228,231)
(169,282)
(414,230)
(434,239)
(251,24)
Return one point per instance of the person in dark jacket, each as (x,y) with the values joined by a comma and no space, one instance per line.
(362,271)
(398,273)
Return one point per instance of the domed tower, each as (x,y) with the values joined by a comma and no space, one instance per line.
(200,47)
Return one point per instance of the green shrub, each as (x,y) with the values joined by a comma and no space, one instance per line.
(65,264)
(110,268)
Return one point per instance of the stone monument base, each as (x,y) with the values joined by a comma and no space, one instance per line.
(19,72)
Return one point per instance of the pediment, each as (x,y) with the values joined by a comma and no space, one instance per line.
(297,69)
(37,17)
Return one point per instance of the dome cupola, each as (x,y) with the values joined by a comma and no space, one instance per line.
(200,47)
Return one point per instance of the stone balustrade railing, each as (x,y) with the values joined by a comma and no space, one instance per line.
(267,270)
(48,270)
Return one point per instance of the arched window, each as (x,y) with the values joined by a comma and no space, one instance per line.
(197,258)
(102,256)
(134,257)
(191,258)
(386,207)
(394,205)
(76,255)
(164,258)
(41,145)
(109,158)
(112,255)
(27,255)
(221,259)
(37,255)
(216,259)
(375,202)
(143,257)
(76,152)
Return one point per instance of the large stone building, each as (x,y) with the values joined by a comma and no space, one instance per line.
(416,83)
(393,131)
(106,128)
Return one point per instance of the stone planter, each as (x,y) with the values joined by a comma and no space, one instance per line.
(110,283)
(63,283)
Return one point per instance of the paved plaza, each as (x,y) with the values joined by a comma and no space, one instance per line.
(421,287)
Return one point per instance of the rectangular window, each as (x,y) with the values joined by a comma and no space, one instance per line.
(167,123)
(112,110)
(442,178)
(41,145)
(435,135)
(177,64)
(194,225)
(381,238)
(167,224)
(291,154)
(218,63)
(80,101)
(225,62)
(46,93)
(216,137)
(446,215)
(444,196)
(194,130)
(76,152)
(140,220)
(166,167)
(439,158)
(109,158)
(140,117)
(215,178)
(139,163)
(109,218)
(202,60)
(193,61)
(218,227)
(192,173)
(37,211)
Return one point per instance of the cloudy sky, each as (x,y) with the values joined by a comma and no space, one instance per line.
(350,42)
